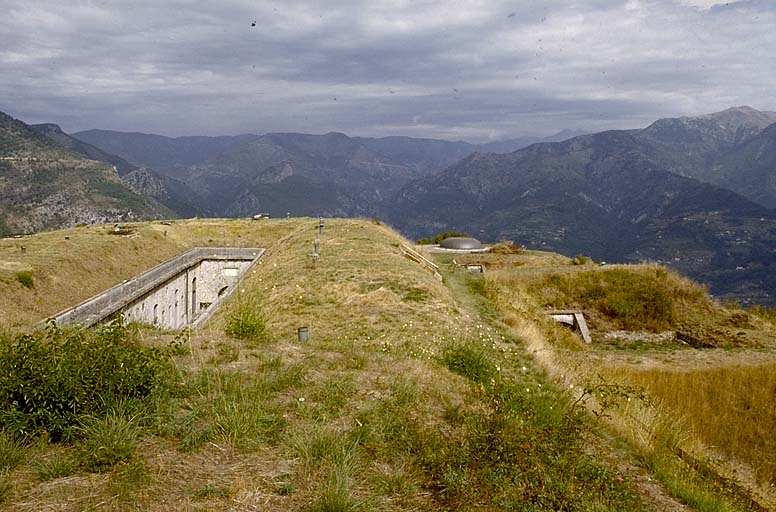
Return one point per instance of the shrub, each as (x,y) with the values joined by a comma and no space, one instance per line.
(25,279)
(633,300)
(49,380)
(506,247)
(579,259)
(246,323)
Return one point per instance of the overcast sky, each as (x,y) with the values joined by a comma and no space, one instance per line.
(472,70)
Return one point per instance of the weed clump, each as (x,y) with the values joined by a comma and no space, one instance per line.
(579,259)
(25,279)
(470,361)
(12,452)
(506,247)
(763,312)
(245,322)
(108,440)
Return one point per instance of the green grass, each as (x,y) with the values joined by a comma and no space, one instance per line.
(25,279)
(687,485)
(410,395)
(58,465)
(108,440)
(469,360)
(12,451)
(211,491)
(245,322)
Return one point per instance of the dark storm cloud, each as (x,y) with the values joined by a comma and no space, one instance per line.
(456,69)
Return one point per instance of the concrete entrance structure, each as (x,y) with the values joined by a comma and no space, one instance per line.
(177,293)
(574,318)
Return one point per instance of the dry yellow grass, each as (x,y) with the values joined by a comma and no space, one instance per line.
(71,265)
(723,396)
(376,321)
(730,408)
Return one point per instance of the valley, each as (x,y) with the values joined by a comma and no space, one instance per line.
(690,193)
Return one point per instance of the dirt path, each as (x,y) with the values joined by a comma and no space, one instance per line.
(538,347)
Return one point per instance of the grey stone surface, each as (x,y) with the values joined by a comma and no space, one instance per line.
(461,243)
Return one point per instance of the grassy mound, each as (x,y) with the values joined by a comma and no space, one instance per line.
(405,397)
(712,401)
(635,298)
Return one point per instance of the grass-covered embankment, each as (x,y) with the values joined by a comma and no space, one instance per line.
(405,397)
(708,401)
(45,273)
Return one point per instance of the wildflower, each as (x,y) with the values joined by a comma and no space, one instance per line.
(301,399)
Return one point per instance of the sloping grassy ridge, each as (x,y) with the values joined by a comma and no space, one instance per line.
(711,398)
(403,398)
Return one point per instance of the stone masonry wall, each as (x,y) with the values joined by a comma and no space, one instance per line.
(173,294)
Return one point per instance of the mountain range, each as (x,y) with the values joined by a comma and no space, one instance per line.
(609,196)
(696,193)
(44,184)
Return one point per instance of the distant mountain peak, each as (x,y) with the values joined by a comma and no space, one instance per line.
(47,128)
(734,118)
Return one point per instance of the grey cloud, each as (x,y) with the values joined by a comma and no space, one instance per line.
(476,70)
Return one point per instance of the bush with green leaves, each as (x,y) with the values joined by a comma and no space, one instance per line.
(51,379)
